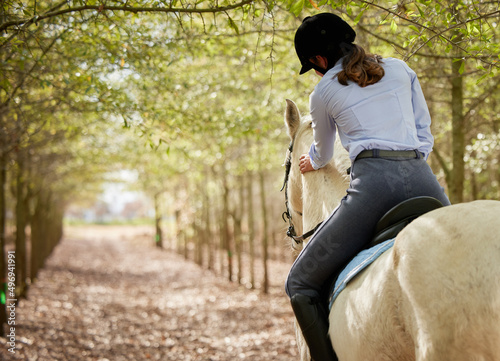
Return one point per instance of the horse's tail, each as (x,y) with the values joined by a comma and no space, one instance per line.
(448,266)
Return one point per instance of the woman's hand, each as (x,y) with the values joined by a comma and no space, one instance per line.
(305,164)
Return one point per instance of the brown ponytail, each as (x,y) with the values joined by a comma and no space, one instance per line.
(361,68)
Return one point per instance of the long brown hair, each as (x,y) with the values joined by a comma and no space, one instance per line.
(361,68)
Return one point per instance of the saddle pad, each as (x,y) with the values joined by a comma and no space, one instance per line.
(362,260)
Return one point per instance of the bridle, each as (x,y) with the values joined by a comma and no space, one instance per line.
(286,214)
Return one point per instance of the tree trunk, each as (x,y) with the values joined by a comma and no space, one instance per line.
(178,231)
(3,268)
(158,217)
(21,267)
(456,186)
(185,240)
(226,239)
(3,207)
(473,186)
(46,230)
(458,135)
(238,232)
(38,231)
(265,281)
(197,258)
(251,227)
(241,202)
(208,226)
(56,224)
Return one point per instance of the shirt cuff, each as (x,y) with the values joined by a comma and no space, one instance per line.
(314,165)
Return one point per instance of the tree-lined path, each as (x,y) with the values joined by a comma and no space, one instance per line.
(107,294)
(182,101)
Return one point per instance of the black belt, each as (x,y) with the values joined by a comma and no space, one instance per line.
(380,153)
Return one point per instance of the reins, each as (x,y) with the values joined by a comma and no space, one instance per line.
(286,214)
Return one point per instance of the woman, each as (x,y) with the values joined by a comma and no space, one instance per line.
(379,112)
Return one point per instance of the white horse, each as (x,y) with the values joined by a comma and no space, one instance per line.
(434,296)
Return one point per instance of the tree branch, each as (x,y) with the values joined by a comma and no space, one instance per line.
(100,8)
(31,70)
(442,162)
(478,100)
(400,47)
(436,33)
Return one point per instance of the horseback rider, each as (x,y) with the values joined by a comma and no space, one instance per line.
(378,109)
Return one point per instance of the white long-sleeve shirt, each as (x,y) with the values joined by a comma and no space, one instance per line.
(391,114)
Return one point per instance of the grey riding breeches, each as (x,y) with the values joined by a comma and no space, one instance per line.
(377,185)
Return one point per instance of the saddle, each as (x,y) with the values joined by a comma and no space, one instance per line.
(400,216)
(388,228)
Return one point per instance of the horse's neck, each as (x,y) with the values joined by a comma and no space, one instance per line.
(322,192)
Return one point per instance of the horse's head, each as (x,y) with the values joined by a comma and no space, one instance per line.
(313,196)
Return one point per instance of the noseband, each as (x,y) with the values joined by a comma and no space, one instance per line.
(287,216)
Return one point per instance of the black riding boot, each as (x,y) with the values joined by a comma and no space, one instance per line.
(313,321)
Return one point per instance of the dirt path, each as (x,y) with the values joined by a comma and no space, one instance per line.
(107,294)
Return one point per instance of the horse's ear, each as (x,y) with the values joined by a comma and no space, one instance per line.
(292,118)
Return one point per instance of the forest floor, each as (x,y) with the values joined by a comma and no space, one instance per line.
(106,293)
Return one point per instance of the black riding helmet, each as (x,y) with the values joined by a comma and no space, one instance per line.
(322,34)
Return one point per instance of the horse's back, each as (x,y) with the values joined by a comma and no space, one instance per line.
(447,265)
(434,296)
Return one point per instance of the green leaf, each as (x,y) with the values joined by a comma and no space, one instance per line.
(233,25)
(394,26)
(358,18)
(462,68)
(414,28)
(348,9)
(296,7)
(480,80)
(422,14)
